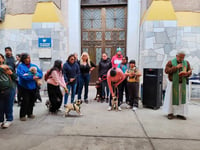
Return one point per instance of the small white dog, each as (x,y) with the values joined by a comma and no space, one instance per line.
(114,103)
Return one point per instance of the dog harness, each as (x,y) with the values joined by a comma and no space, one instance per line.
(77,105)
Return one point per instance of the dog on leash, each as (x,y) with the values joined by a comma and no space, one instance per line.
(114,103)
(98,93)
(47,103)
(75,106)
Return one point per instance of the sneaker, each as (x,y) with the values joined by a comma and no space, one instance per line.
(6,124)
(1,123)
(31,116)
(170,116)
(181,117)
(23,118)
(134,108)
(86,101)
(119,108)
(109,108)
(129,107)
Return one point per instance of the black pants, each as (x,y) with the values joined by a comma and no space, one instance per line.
(27,103)
(122,87)
(133,88)
(38,96)
(55,97)
(19,97)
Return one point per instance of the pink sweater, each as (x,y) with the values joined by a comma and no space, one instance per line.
(116,60)
(56,78)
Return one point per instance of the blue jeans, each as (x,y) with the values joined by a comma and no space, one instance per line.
(73,87)
(83,81)
(9,111)
(104,86)
(4,103)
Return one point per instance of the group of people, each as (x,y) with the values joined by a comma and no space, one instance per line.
(16,74)
(73,76)
(24,77)
(116,76)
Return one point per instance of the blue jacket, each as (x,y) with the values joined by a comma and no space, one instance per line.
(70,71)
(27,82)
(123,67)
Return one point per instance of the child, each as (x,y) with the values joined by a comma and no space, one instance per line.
(133,84)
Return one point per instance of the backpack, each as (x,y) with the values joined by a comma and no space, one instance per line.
(46,76)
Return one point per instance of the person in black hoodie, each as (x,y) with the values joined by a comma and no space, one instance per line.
(104,65)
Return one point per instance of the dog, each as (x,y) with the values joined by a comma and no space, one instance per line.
(114,103)
(98,93)
(48,104)
(33,71)
(75,106)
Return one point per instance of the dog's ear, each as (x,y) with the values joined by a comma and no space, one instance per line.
(81,102)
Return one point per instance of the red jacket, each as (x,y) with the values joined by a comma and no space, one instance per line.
(116,60)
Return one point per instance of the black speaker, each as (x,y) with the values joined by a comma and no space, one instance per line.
(152,87)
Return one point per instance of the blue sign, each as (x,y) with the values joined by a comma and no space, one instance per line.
(44,42)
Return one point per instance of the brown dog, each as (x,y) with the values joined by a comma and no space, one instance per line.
(75,106)
(115,103)
(98,94)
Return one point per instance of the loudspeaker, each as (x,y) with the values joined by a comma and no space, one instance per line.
(152,87)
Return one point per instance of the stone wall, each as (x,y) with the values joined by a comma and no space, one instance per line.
(178,5)
(186,5)
(161,40)
(14,7)
(27,41)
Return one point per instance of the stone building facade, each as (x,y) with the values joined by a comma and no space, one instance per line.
(152,39)
(161,37)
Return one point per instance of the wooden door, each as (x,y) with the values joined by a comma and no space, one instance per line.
(103,30)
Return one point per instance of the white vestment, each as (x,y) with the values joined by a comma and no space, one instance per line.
(168,108)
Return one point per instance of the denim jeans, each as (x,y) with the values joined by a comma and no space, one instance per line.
(69,87)
(4,103)
(104,86)
(9,110)
(83,81)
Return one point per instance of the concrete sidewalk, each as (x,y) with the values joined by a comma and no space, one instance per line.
(99,129)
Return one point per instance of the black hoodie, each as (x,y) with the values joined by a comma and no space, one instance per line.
(104,66)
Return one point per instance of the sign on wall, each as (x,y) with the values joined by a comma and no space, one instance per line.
(44,42)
